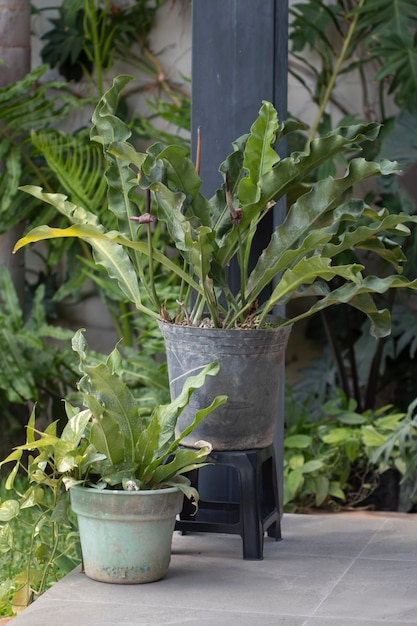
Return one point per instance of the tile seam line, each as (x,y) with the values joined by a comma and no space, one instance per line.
(383,523)
(354,559)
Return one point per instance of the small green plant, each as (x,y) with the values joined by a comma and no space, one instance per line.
(112,442)
(39,541)
(398,449)
(331,462)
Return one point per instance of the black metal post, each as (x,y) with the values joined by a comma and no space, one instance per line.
(239,58)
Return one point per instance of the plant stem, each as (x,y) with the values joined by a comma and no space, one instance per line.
(126,330)
(55,535)
(155,298)
(352,360)
(241,257)
(91,15)
(198,308)
(334,76)
(340,366)
(373,375)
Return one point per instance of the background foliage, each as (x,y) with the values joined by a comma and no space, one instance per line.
(372,45)
(85,42)
(372,42)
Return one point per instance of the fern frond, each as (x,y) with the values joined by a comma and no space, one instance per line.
(77,163)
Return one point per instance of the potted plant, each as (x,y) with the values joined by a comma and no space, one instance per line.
(124,469)
(312,253)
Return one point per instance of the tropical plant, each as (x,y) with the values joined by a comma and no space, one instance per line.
(87,36)
(27,106)
(113,442)
(99,33)
(398,450)
(36,365)
(372,40)
(322,224)
(39,542)
(332,461)
(372,44)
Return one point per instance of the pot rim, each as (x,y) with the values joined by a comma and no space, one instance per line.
(111,492)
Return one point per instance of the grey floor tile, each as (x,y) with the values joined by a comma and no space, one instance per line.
(291,585)
(337,535)
(396,540)
(375,590)
(327,571)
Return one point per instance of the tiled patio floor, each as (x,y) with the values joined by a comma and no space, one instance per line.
(329,570)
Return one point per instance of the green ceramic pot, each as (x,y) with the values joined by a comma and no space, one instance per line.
(126,536)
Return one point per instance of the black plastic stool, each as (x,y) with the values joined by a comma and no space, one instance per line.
(258,508)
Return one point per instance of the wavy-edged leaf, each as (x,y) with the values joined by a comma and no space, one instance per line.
(107,246)
(107,252)
(357,295)
(167,415)
(306,271)
(312,212)
(259,156)
(185,460)
(113,399)
(106,126)
(292,170)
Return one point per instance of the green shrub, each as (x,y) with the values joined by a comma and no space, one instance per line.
(332,461)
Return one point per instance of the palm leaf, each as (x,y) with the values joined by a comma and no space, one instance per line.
(399,53)
(387,16)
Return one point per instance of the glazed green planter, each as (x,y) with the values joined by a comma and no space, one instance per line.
(126,536)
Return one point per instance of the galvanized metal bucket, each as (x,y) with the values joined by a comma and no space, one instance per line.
(251,371)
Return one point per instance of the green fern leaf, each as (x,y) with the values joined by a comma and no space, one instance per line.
(78,165)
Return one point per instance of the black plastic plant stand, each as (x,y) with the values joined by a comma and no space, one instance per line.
(257,510)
